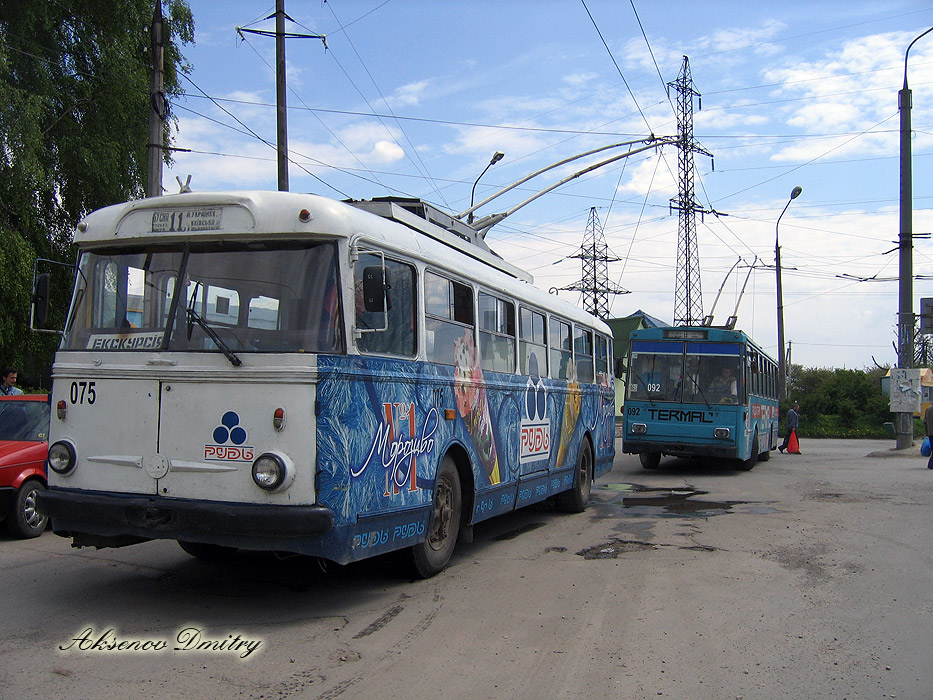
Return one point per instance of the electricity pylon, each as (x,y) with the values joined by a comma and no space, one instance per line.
(688,295)
(595,285)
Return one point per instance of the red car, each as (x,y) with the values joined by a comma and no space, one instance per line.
(24,441)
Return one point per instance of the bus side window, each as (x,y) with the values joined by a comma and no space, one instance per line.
(602,359)
(561,350)
(532,343)
(583,354)
(392,329)
(448,322)
(496,333)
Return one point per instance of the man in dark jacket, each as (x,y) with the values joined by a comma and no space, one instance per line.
(792,423)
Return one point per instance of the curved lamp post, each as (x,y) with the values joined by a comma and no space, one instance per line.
(782,362)
(496,157)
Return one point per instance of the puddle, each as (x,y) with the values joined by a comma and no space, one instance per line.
(615,548)
(679,502)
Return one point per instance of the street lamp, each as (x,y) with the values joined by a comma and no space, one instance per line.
(905,303)
(496,157)
(782,362)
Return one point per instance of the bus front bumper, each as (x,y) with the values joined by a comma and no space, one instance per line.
(681,450)
(108,520)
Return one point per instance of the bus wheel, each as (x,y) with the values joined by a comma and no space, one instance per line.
(749,464)
(208,552)
(650,460)
(575,500)
(430,556)
(766,455)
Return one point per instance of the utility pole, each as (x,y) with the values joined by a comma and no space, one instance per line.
(905,314)
(594,254)
(688,296)
(782,355)
(281,115)
(154,149)
(281,107)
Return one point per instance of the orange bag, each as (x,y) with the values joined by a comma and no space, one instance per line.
(793,447)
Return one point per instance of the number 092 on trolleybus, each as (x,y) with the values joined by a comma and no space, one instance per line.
(699,391)
(279,371)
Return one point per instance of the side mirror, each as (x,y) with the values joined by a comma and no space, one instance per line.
(376,288)
(620,368)
(40,300)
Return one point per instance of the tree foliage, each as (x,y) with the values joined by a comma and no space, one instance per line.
(839,402)
(74,100)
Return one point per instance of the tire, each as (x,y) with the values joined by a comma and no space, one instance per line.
(208,552)
(650,460)
(766,455)
(575,500)
(749,464)
(429,557)
(24,521)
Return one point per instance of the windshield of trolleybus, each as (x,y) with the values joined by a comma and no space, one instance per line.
(257,297)
(687,378)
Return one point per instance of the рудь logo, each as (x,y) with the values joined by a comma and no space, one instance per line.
(229,441)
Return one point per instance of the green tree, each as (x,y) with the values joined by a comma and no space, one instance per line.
(74,100)
(839,402)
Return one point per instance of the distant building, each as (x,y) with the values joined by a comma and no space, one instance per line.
(621,332)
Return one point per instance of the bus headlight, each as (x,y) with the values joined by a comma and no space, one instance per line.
(62,457)
(273,471)
(722,433)
(639,428)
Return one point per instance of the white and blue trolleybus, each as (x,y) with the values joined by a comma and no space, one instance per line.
(285,372)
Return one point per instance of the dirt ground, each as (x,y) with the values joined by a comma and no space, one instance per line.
(803,578)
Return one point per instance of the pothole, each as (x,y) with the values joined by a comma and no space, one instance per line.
(615,548)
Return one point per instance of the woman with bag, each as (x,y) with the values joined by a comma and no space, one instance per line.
(928,428)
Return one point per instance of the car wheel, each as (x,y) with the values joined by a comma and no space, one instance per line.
(25,521)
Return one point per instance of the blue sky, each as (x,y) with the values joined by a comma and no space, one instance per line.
(413,97)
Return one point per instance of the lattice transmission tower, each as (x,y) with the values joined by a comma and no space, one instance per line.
(688,295)
(595,284)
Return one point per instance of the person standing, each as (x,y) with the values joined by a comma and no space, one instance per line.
(928,427)
(791,424)
(7,387)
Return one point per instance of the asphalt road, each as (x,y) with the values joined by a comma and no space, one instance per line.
(804,578)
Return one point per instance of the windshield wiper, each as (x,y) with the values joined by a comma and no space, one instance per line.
(211,333)
(699,390)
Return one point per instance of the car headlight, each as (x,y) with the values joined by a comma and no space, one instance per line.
(722,433)
(273,471)
(639,428)
(62,457)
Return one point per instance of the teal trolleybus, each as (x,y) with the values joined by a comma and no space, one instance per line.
(699,391)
